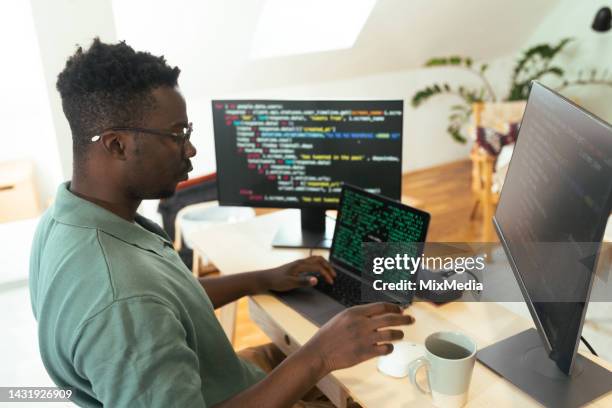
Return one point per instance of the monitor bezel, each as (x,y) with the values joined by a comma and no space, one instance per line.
(324,206)
(530,305)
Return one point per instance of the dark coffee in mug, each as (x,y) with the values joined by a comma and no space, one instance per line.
(446,349)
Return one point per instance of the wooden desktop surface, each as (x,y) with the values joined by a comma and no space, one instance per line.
(246,246)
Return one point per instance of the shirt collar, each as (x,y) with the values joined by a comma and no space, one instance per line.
(73,210)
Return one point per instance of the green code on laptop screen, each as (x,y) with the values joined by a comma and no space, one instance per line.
(363,218)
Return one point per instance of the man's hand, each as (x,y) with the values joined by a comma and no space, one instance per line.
(225,289)
(348,339)
(292,275)
(355,335)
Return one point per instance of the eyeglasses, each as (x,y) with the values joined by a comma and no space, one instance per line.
(183,136)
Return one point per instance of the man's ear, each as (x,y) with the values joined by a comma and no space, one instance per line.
(115,144)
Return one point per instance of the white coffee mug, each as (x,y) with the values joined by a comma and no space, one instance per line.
(449,360)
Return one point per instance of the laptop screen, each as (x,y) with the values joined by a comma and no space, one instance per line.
(365,217)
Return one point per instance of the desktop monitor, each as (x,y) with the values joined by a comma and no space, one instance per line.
(297,154)
(550,219)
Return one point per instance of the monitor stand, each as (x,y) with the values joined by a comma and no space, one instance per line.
(523,361)
(311,230)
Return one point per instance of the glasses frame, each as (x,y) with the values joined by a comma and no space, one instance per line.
(182,137)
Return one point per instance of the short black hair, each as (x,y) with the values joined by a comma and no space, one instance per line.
(109,85)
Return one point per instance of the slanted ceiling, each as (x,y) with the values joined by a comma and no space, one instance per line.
(211,39)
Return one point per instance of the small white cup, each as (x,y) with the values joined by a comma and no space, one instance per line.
(449,360)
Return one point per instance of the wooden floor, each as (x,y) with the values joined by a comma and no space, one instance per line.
(443,191)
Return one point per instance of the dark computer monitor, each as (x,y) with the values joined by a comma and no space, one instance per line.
(297,154)
(550,219)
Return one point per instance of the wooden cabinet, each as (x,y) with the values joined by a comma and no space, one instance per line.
(18,194)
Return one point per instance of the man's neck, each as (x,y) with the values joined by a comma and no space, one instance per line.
(109,198)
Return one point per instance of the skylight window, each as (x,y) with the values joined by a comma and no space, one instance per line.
(291,27)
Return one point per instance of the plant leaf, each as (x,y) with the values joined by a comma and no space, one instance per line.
(456,134)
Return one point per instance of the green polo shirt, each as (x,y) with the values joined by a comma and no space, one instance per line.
(121,320)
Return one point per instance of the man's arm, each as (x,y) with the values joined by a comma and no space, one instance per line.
(349,338)
(225,289)
(134,354)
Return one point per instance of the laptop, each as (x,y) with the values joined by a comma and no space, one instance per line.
(362,217)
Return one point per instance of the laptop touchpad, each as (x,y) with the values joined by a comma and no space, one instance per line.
(312,304)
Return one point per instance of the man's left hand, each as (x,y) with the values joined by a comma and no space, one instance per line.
(297,274)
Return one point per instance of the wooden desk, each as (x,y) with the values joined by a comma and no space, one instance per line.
(246,246)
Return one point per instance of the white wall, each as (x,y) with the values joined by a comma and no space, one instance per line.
(589,50)
(210,41)
(38,36)
(60,26)
(25,114)
(211,44)
(426,142)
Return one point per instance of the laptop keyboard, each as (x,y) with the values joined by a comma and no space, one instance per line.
(347,290)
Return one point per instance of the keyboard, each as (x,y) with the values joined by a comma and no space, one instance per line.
(348,291)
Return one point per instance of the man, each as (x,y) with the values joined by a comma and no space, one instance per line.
(120,319)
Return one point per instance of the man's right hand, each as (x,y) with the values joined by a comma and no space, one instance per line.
(349,338)
(355,335)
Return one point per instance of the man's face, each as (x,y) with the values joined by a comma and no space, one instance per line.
(156,163)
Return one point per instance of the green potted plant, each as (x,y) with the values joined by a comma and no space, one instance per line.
(536,63)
